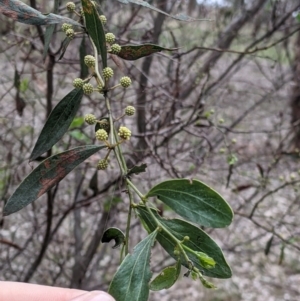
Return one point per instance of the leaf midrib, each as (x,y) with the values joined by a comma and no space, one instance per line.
(187,208)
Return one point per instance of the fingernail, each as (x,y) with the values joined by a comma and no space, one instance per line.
(94,296)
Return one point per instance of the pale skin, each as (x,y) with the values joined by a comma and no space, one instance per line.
(16,291)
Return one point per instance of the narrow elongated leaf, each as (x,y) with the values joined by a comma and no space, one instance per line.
(98,7)
(134,52)
(84,70)
(166,278)
(64,47)
(181,17)
(199,242)
(46,175)
(17,80)
(194,201)
(19,11)
(48,37)
(130,282)
(269,245)
(113,233)
(50,30)
(57,123)
(20,103)
(95,29)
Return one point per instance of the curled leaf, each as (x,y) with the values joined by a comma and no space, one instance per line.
(134,52)
(113,233)
(137,169)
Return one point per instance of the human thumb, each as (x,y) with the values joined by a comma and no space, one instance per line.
(94,296)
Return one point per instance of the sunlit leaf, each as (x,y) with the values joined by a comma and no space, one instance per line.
(77,122)
(80,136)
(232,159)
(130,283)
(113,234)
(46,175)
(57,123)
(19,11)
(194,201)
(134,52)
(95,29)
(198,241)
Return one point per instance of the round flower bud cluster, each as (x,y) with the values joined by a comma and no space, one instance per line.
(103,19)
(124,133)
(125,81)
(66,26)
(90,119)
(110,38)
(102,164)
(101,135)
(129,110)
(115,48)
(90,61)
(107,73)
(70,33)
(88,89)
(70,6)
(78,83)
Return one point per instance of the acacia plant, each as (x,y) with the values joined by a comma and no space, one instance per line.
(193,200)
